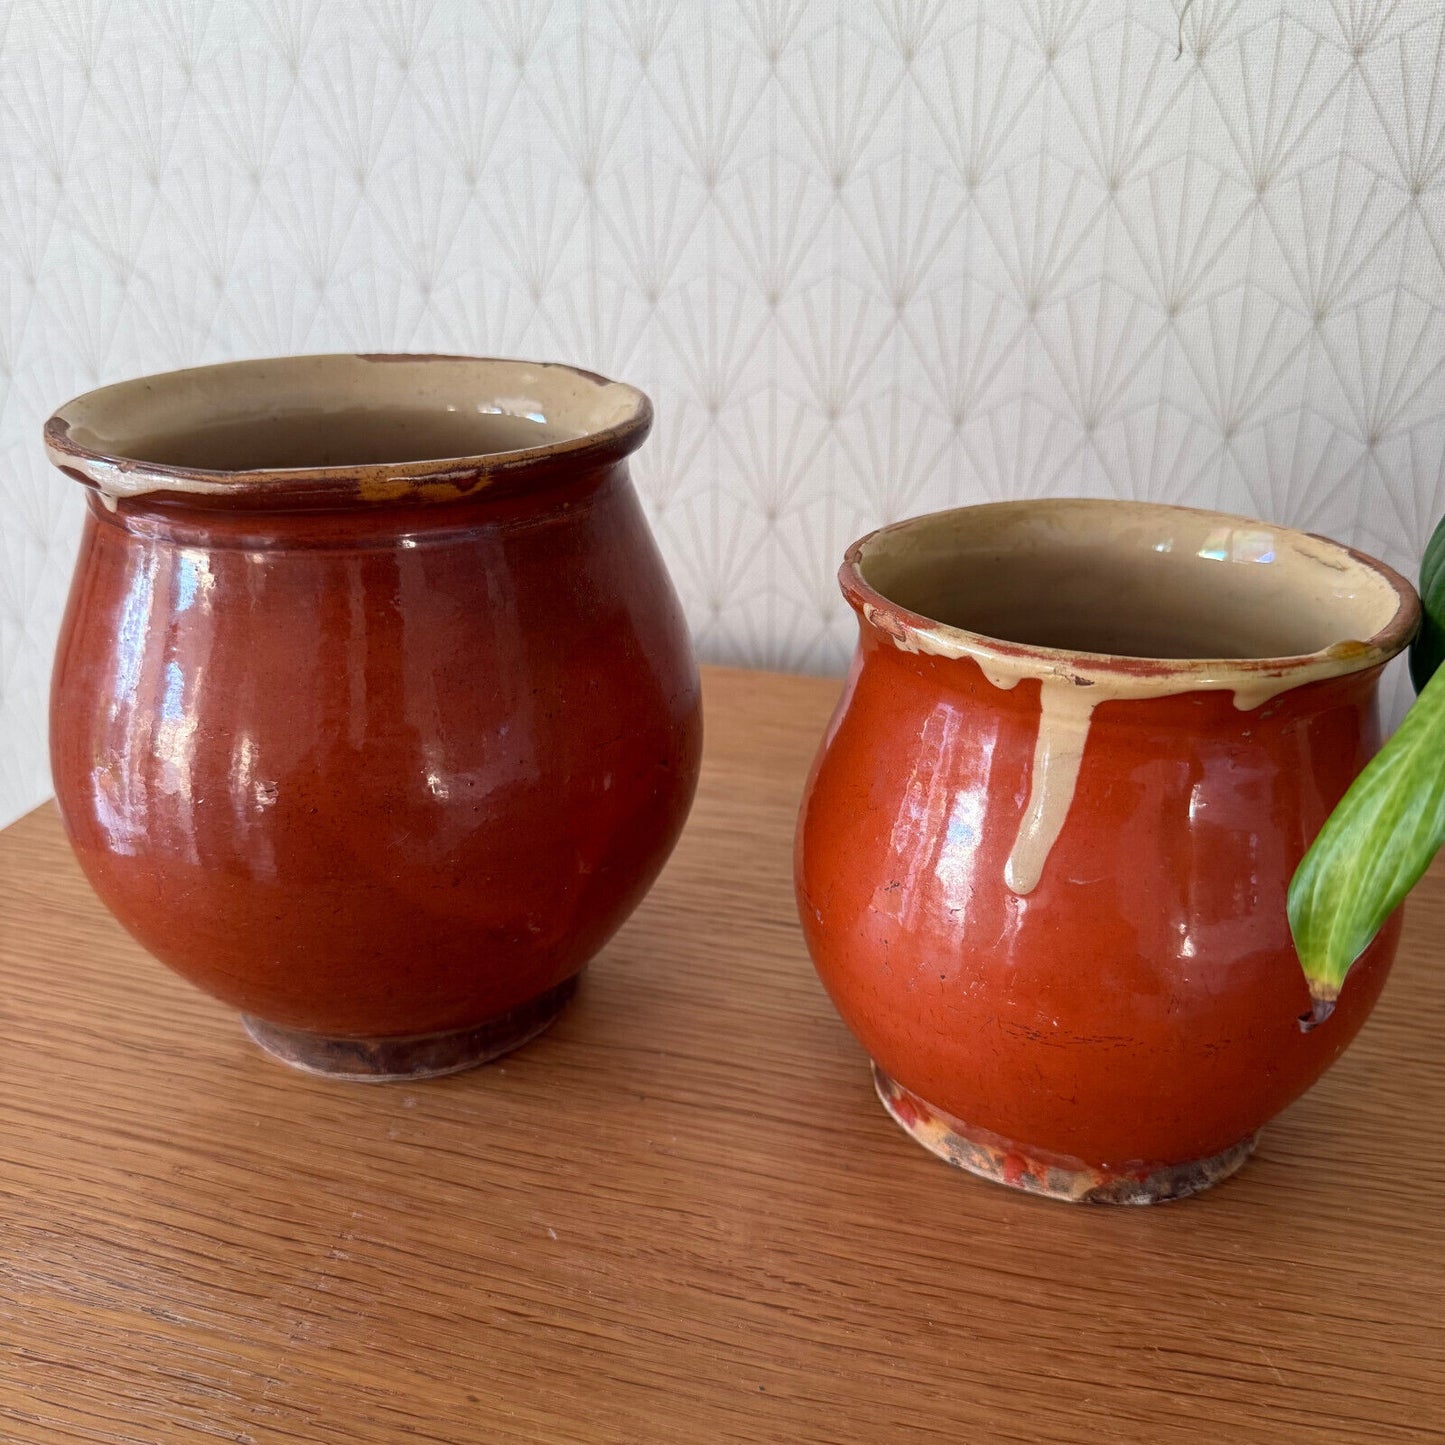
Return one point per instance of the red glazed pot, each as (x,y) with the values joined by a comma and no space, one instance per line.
(1043,856)
(378,750)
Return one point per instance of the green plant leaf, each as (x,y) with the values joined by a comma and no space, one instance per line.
(1373,847)
(1428,649)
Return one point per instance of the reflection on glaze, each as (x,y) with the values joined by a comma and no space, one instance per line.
(1236,544)
(957,861)
(194,578)
(118,793)
(927,798)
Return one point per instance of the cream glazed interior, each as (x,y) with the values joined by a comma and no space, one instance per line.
(214,429)
(1103,600)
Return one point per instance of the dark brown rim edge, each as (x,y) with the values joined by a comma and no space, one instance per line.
(451,477)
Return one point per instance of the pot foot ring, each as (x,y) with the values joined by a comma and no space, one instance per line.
(414,1056)
(1019,1167)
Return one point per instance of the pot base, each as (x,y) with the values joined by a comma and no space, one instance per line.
(414,1056)
(1054,1176)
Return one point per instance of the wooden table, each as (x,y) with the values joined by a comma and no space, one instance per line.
(679,1216)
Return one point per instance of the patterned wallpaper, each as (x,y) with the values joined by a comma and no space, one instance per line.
(871,257)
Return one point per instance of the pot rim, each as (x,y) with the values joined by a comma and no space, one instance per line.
(623,419)
(1125,676)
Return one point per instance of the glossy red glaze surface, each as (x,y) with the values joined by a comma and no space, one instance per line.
(1140,1005)
(376,769)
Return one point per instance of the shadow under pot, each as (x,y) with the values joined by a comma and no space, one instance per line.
(374,713)
(1043,856)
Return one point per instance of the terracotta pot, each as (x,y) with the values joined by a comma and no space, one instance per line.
(378,748)
(1043,856)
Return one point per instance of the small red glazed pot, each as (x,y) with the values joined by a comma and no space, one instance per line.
(1043,855)
(374,713)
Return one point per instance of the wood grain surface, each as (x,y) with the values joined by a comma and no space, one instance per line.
(679,1216)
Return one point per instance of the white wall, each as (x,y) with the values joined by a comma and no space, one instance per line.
(870,259)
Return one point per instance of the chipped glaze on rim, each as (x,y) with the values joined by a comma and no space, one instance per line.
(1253,680)
(626,419)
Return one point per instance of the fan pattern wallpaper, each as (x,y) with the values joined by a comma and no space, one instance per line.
(871,257)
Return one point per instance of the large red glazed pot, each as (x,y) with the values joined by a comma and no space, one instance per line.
(378,748)
(1043,856)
